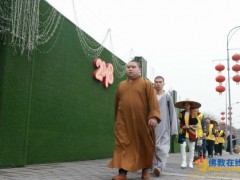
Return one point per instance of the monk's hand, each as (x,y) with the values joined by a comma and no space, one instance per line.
(152,122)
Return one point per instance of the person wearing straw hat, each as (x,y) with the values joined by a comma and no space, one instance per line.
(188,123)
(216,142)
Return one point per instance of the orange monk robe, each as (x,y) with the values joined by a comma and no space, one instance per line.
(135,104)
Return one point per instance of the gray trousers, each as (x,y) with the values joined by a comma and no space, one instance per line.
(162,151)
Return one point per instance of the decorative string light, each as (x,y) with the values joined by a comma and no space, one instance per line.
(119,66)
(21,20)
(52,25)
(31,29)
(4,20)
(92,49)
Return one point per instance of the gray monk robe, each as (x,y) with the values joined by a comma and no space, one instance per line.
(164,130)
(135,104)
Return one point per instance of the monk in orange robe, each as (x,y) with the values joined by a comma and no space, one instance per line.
(136,115)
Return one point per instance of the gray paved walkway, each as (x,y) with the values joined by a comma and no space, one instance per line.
(98,170)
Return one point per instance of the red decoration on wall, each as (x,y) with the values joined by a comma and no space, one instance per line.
(236,78)
(220,78)
(236,67)
(222,118)
(223,123)
(220,89)
(236,57)
(100,72)
(220,67)
(109,75)
(104,72)
(222,113)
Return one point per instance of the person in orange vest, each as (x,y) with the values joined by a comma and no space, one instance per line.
(201,131)
(216,142)
(210,136)
(221,140)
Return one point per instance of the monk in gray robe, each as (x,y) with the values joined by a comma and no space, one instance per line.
(164,130)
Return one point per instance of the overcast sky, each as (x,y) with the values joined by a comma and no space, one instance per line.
(182,40)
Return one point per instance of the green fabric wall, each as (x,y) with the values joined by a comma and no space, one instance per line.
(14,93)
(52,110)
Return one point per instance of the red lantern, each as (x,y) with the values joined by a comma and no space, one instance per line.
(223,123)
(220,67)
(236,68)
(222,118)
(222,113)
(220,78)
(220,89)
(236,78)
(236,57)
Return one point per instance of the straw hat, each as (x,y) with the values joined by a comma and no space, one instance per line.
(193,104)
